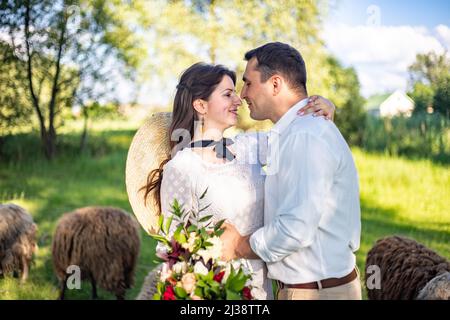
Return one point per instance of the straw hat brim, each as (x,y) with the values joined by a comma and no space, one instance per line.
(149,147)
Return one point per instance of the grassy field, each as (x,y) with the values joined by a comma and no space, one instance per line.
(398,196)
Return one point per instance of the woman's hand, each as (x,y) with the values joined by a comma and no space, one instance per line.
(320,106)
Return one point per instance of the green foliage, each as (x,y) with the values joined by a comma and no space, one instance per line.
(345,93)
(422,95)
(430,79)
(420,136)
(441,99)
(60,52)
(14,110)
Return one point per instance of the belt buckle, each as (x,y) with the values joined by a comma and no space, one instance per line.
(319,285)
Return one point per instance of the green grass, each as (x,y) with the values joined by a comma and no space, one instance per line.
(398,196)
(403,197)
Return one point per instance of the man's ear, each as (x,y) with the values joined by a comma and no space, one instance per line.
(277,83)
(200,106)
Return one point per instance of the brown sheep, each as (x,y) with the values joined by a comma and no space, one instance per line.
(103,242)
(406,266)
(17,240)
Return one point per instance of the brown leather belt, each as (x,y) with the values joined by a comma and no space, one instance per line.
(326,283)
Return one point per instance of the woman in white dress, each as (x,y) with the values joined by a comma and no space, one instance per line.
(205,105)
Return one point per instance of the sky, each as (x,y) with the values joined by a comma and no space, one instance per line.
(380,39)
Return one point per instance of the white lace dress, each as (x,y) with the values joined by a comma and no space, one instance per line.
(235,193)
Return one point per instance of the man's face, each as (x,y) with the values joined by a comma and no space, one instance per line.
(256,93)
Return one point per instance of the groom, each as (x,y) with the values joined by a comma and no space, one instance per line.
(311,211)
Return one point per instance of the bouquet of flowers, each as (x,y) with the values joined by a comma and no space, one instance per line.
(191,266)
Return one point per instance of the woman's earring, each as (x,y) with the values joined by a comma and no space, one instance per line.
(203,124)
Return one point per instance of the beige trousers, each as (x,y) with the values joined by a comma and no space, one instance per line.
(348,291)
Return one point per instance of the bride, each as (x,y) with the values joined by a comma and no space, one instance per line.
(205,105)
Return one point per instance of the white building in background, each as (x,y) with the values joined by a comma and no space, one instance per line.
(396,104)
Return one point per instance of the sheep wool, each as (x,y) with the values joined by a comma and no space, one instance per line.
(406,267)
(17,240)
(103,242)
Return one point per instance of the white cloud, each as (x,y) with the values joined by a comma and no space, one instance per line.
(443,33)
(381,54)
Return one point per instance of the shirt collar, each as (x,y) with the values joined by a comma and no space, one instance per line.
(281,125)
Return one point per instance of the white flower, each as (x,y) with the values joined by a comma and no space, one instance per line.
(165,272)
(200,268)
(213,252)
(188,282)
(189,245)
(180,267)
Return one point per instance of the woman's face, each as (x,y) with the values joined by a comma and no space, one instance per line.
(222,106)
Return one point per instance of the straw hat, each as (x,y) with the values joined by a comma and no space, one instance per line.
(150,146)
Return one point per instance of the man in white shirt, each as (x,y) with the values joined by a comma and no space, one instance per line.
(312,213)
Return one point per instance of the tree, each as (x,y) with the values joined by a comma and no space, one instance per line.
(345,92)
(422,95)
(14,109)
(429,68)
(441,99)
(221,31)
(64,44)
(429,79)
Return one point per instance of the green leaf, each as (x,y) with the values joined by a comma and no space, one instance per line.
(179,236)
(160,288)
(205,218)
(218,224)
(231,295)
(156,296)
(158,260)
(207,244)
(192,228)
(168,224)
(198,292)
(160,238)
(176,209)
(237,283)
(204,208)
(219,232)
(160,221)
(180,292)
(204,193)
(204,234)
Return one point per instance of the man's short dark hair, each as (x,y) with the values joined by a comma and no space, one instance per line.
(280,58)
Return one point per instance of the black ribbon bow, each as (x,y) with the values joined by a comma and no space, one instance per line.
(220,147)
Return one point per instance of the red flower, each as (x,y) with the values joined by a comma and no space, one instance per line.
(218,277)
(246,292)
(169,294)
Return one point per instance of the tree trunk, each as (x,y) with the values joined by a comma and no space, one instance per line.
(84,135)
(46,142)
(51,141)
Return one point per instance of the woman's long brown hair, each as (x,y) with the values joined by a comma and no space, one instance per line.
(197,82)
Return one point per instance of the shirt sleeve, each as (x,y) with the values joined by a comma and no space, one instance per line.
(306,169)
